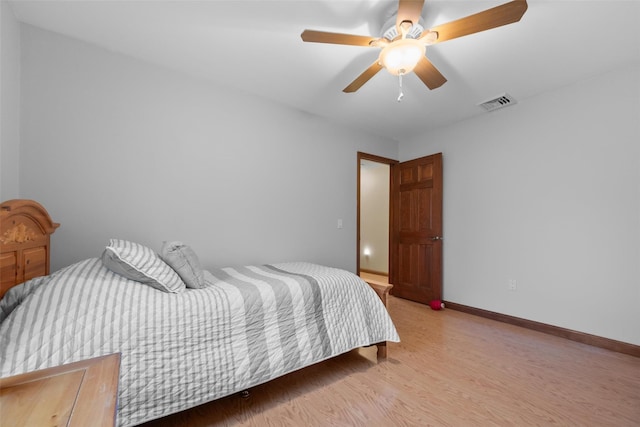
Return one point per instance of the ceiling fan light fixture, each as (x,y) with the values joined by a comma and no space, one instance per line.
(404,40)
(401,56)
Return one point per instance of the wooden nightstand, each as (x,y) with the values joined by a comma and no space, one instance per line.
(79,394)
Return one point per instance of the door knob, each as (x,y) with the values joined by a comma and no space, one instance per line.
(435,238)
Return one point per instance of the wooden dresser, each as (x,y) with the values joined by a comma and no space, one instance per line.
(79,394)
(25,230)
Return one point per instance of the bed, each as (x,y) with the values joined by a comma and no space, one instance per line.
(208,334)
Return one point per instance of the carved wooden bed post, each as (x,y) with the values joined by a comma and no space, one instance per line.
(383,292)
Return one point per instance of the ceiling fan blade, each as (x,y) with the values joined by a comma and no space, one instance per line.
(429,74)
(498,16)
(409,10)
(336,38)
(363,78)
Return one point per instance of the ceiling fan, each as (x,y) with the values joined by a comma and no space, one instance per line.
(404,43)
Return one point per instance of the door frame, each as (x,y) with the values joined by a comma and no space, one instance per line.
(391,163)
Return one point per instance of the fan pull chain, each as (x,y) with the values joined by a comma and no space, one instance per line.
(400,94)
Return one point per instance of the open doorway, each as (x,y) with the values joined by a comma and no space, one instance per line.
(414,233)
(374,210)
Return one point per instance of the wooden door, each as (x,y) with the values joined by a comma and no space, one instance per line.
(416,256)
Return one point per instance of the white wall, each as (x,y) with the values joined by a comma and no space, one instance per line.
(116,147)
(547,192)
(374,216)
(9,103)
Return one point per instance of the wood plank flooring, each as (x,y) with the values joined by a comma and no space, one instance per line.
(451,369)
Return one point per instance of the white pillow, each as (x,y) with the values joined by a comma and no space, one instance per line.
(140,263)
(185,262)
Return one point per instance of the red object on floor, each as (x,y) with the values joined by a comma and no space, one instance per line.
(436,304)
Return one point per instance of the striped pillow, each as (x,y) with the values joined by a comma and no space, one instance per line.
(185,262)
(139,263)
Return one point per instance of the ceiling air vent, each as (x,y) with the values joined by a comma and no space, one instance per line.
(500,101)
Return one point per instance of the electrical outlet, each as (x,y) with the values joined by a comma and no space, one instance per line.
(340,223)
(513,285)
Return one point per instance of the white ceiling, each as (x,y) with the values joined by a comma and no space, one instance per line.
(255,46)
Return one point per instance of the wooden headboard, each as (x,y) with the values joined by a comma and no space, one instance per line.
(25,230)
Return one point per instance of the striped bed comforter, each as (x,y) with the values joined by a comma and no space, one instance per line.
(248,326)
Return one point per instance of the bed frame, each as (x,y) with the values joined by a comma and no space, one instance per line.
(25,230)
(383,292)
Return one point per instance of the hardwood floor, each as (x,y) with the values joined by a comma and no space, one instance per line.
(451,369)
